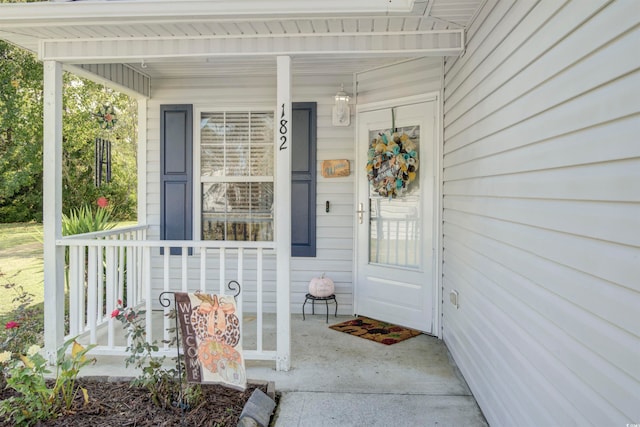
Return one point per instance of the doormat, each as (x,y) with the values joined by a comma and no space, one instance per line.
(375,330)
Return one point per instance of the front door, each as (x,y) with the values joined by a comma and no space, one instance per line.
(395,218)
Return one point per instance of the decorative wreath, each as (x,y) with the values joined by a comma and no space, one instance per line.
(106,116)
(392,163)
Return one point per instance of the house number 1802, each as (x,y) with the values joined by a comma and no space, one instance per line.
(283,130)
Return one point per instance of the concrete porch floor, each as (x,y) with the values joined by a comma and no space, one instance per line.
(340,380)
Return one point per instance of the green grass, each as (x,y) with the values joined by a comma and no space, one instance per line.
(20,262)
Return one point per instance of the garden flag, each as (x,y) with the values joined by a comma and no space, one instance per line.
(211,341)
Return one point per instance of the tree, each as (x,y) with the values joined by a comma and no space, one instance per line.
(21,104)
(82,100)
(20,135)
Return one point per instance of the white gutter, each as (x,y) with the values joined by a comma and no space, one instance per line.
(59,12)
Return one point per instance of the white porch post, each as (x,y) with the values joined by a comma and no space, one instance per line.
(283,213)
(142,160)
(52,210)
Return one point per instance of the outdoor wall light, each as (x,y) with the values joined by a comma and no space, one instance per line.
(341,111)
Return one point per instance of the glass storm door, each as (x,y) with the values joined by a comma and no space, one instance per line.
(395,211)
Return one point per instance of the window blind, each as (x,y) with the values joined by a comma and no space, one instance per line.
(237,169)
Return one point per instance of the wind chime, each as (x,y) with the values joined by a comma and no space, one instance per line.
(107,119)
(103,161)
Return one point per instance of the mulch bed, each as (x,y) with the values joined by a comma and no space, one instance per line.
(119,404)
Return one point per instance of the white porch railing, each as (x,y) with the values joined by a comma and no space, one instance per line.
(113,265)
(396,241)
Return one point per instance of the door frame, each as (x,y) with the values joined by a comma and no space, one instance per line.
(437,191)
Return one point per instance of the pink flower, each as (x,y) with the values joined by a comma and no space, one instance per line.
(115,313)
(103,202)
(119,302)
(11,325)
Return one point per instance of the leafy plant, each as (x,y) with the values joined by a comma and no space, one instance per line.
(156,379)
(25,325)
(163,384)
(86,220)
(27,377)
(36,400)
(67,370)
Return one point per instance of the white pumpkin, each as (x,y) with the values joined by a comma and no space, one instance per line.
(321,286)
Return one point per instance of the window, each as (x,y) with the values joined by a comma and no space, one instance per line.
(236,175)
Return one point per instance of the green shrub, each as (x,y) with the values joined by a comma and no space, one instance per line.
(38,400)
(86,220)
(164,385)
(24,325)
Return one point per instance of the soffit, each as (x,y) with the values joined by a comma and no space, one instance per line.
(125,20)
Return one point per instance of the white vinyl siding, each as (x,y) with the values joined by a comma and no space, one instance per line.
(334,229)
(542,212)
(401,80)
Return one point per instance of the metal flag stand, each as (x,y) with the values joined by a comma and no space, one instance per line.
(165,302)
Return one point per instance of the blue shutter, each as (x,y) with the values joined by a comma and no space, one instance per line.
(303,180)
(176,173)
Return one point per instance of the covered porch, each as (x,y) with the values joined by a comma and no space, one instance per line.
(206,56)
(339,379)
(534,240)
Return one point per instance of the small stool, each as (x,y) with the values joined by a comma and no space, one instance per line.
(313,304)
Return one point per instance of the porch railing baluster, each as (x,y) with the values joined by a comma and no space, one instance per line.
(166,288)
(396,241)
(82,274)
(74,295)
(100,283)
(121,270)
(223,263)
(146,258)
(137,290)
(110,300)
(130,275)
(379,233)
(185,270)
(259,307)
(203,270)
(240,280)
(416,236)
(92,294)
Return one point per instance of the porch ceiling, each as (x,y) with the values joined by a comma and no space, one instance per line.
(263,66)
(165,39)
